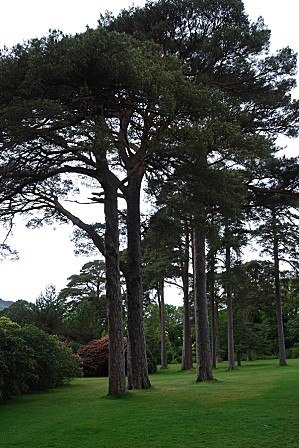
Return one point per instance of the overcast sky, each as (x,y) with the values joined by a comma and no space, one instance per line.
(46,255)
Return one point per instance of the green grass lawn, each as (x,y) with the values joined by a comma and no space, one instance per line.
(255,406)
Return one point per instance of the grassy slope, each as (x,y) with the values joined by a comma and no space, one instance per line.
(255,406)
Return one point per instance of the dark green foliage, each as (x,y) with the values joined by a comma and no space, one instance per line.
(161,254)
(86,315)
(290,294)
(55,363)
(49,311)
(15,364)
(174,332)
(22,312)
(254,294)
(88,284)
(255,325)
(220,48)
(31,360)
(83,323)
(151,362)
(293,352)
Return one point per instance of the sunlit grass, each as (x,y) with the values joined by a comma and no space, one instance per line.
(255,406)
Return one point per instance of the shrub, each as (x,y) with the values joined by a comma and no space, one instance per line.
(53,362)
(293,352)
(7,324)
(15,365)
(31,360)
(95,358)
(151,362)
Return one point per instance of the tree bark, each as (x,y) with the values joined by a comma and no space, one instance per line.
(203,349)
(187,341)
(217,335)
(211,287)
(137,358)
(117,384)
(110,249)
(162,314)
(230,319)
(278,300)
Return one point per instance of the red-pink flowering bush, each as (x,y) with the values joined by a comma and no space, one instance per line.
(95,357)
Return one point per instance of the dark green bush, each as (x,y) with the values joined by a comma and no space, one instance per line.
(293,352)
(15,365)
(54,362)
(31,360)
(151,362)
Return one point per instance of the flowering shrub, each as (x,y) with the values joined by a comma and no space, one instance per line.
(95,356)
(31,360)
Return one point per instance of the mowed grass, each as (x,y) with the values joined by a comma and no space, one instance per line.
(255,406)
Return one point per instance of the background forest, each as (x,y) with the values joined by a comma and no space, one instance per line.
(179,103)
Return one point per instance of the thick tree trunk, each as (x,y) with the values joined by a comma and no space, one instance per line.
(162,315)
(117,385)
(203,349)
(230,319)
(137,357)
(279,315)
(187,341)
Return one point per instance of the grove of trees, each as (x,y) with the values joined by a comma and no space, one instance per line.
(179,100)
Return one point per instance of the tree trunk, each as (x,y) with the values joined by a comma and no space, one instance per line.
(278,301)
(117,385)
(137,357)
(230,319)
(217,335)
(203,349)
(162,315)
(211,287)
(239,360)
(187,341)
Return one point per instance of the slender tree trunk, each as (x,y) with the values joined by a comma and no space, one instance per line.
(239,361)
(217,335)
(117,385)
(230,319)
(137,357)
(211,285)
(203,349)
(187,341)
(162,315)
(278,300)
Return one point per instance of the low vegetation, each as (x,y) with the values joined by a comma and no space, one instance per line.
(255,405)
(31,360)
